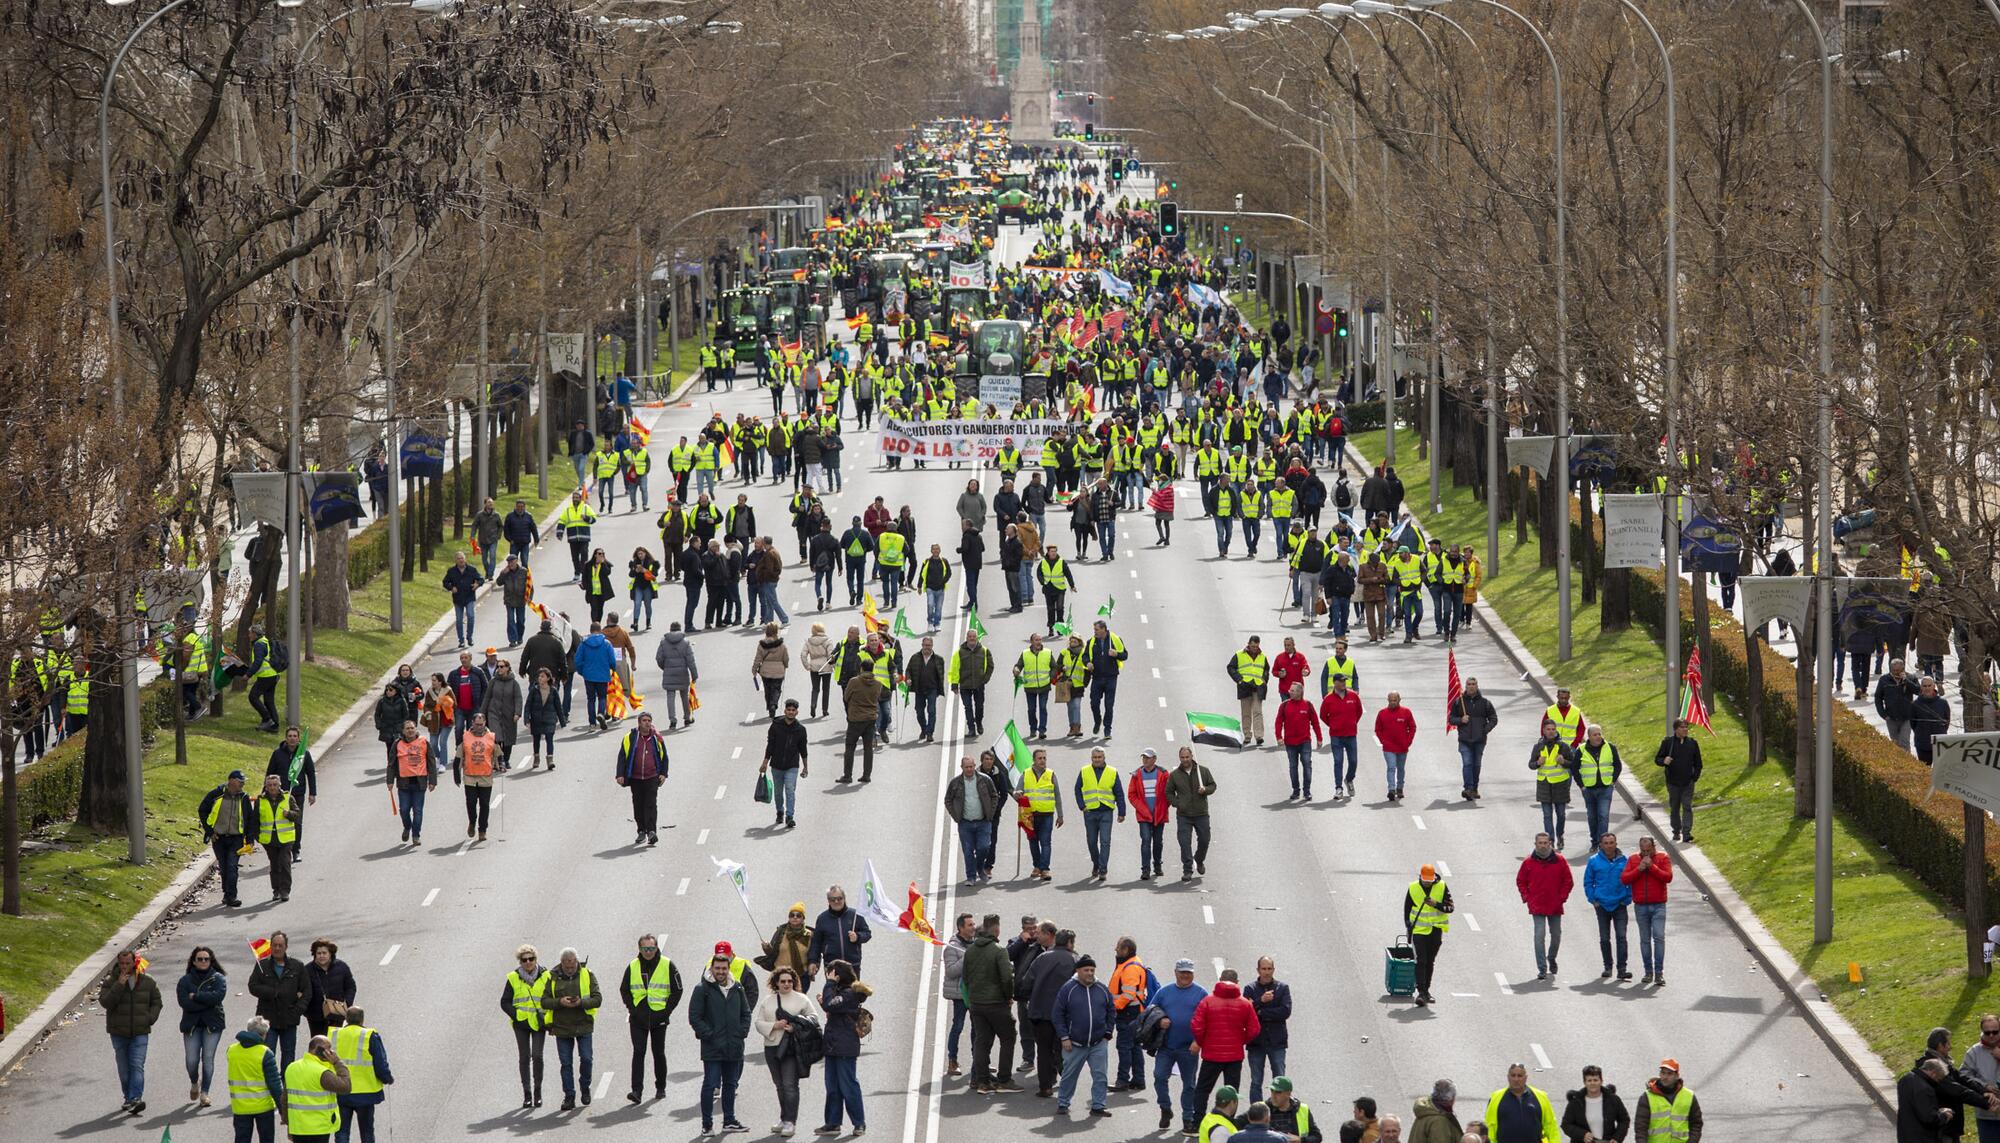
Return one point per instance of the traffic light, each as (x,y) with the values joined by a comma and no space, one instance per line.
(1340,323)
(1090,99)
(1170,220)
(1090,131)
(1117,169)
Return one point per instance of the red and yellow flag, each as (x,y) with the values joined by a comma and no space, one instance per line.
(260,948)
(915,920)
(618,704)
(644,434)
(869,615)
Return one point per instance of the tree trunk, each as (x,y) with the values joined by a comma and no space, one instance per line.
(102,804)
(412,538)
(10,821)
(1586,555)
(327,600)
(1614,603)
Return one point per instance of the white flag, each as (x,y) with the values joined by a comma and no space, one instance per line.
(738,876)
(875,897)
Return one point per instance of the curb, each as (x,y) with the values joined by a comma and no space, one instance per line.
(1855,1055)
(27,1035)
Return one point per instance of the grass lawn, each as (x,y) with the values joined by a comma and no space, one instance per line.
(77,894)
(1909,944)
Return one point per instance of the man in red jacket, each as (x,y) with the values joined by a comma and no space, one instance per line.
(1297,727)
(1545,882)
(1648,872)
(1395,729)
(1289,667)
(1340,711)
(1224,1024)
(1147,791)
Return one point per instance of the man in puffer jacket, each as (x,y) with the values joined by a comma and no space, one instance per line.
(1224,1024)
(1544,881)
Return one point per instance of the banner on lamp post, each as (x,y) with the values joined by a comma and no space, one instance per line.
(1967,766)
(260,496)
(1531,452)
(1632,524)
(1785,598)
(566,353)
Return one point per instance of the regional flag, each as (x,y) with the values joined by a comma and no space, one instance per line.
(1215,729)
(1014,747)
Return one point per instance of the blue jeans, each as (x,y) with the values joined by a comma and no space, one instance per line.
(579,1046)
(642,608)
(892,584)
(1165,1063)
(228,860)
(462,617)
(1103,698)
(637,493)
(607,491)
(843,1090)
(130,1054)
(933,606)
(1396,764)
(410,804)
(1336,610)
(1343,773)
(785,791)
(1224,526)
(1097,837)
(1131,1060)
(716,1075)
(1027,584)
(1608,923)
(359,1116)
(594,696)
(1107,538)
(767,595)
(973,839)
(1038,711)
(1152,845)
(1299,758)
(857,575)
(489,557)
(1413,613)
(958,1011)
(518,551)
(927,704)
(1597,810)
(517,624)
(704,480)
(1097,1056)
(972,588)
(823,584)
(1258,1058)
(1438,616)
(1470,755)
(1652,921)
(1252,531)
(1074,707)
(580,463)
(1039,845)
(1554,816)
(201,1045)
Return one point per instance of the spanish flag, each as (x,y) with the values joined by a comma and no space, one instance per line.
(914,919)
(798,275)
(728,451)
(260,948)
(644,434)
(869,615)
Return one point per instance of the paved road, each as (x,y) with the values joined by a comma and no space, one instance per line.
(429,932)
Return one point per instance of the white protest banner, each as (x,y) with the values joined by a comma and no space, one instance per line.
(1967,766)
(1531,452)
(1000,392)
(968,273)
(259,496)
(1785,598)
(566,353)
(1631,530)
(976,440)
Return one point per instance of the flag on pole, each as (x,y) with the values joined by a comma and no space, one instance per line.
(1015,748)
(739,877)
(1454,687)
(1024,816)
(644,434)
(975,626)
(298,763)
(870,615)
(902,628)
(259,947)
(1214,729)
(728,451)
(1062,629)
(1110,605)
(617,703)
(915,919)
(1692,708)
(875,896)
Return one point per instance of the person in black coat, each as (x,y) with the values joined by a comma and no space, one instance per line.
(690,563)
(972,556)
(1919,1116)
(1377,497)
(327,978)
(1680,753)
(842,999)
(392,710)
(1617,1121)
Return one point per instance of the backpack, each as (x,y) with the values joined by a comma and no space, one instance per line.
(280,658)
(1343,496)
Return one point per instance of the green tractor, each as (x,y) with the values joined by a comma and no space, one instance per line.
(1011,204)
(794,315)
(744,315)
(963,307)
(994,367)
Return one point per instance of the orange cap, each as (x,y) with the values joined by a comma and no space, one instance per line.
(1671,1064)
(1427,873)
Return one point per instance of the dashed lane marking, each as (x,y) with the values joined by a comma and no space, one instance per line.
(1219,966)
(1443,869)
(701,838)
(1471,922)
(1208,914)
(735,754)
(1419,819)
(1505,988)
(1163,700)
(1541,1057)
(1156,672)
(429,897)
(682,891)
(390,955)
(719,791)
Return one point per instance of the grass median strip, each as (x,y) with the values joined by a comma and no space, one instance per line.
(76,887)
(1909,944)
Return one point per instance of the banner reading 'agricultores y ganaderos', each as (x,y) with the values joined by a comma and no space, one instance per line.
(977,440)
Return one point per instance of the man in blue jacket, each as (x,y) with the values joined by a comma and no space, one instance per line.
(1271,998)
(596,659)
(1177,1001)
(520,531)
(1084,1026)
(1610,897)
(462,580)
(838,933)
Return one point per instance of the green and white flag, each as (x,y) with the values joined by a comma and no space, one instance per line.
(975,626)
(1214,729)
(1012,747)
(739,877)
(875,896)
(1110,605)
(901,630)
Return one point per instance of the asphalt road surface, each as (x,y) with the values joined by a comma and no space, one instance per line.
(430,932)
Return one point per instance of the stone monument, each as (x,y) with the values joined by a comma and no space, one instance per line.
(1030,124)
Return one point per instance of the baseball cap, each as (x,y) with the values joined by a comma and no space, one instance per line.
(1671,1064)
(1428,873)
(236,776)
(1149,752)
(492,650)
(1225,1094)
(1185,964)
(1282,1083)
(723,948)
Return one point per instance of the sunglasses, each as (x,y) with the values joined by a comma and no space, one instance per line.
(527,960)
(649,948)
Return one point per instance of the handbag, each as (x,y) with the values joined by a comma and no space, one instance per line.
(1319,606)
(763,794)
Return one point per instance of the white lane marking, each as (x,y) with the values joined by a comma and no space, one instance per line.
(1219,966)
(682,891)
(1419,819)
(498,798)
(1208,914)
(735,754)
(603,1085)
(463,846)
(1156,672)
(701,838)
(429,897)
(1144,618)
(390,955)
(1541,1057)
(1170,735)
(1443,869)
(1135,573)
(719,791)
(1163,700)
(1466,995)
(1505,988)
(1149,644)
(1136,594)
(1471,922)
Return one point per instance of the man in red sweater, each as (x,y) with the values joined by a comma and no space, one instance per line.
(1289,667)
(1544,882)
(1298,729)
(1224,1024)
(1340,711)
(1395,729)
(1648,872)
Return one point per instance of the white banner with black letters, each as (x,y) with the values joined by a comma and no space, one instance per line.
(1967,766)
(1786,598)
(1531,452)
(1632,525)
(964,440)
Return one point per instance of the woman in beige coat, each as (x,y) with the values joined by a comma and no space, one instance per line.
(817,658)
(768,667)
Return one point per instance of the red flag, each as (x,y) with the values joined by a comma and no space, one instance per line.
(1692,708)
(260,948)
(915,920)
(1024,816)
(1454,687)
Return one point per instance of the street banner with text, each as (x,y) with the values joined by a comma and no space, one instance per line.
(1967,766)
(964,439)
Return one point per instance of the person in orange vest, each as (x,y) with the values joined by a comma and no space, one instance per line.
(473,769)
(1132,985)
(413,775)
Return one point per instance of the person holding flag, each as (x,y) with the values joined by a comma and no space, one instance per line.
(292,764)
(1471,714)
(1680,755)
(1042,806)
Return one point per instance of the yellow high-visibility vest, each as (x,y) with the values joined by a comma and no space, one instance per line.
(1100,787)
(1036,667)
(310,1109)
(1250,668)
(249,1094)
(1041,791)
(1430,908)
(651,991)
(354,1045)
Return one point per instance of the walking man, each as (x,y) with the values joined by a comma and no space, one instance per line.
(1681,755)
(1097,795)
(651,990)
(1188,790)
(1473,717)
(1084,1026)
(1611,898)
(1426,918)
(1647,874)
(1544,882)
(642,767)
(1597,770)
